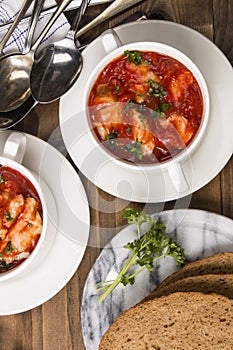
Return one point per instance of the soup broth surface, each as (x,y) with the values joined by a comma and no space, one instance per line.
(21,218)
(145,107)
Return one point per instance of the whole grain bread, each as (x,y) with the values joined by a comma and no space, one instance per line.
(221,263)
(179,321)
(220,284)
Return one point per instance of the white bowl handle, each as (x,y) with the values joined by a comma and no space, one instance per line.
(110,40)
(15,146)
(177,176)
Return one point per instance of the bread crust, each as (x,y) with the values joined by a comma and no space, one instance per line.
(178,321)
(220,284)
(218,264)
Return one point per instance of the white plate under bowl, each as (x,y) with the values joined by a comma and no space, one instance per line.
(200,233)
(205,163)
(68,230)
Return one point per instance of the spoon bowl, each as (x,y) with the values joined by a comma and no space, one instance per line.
(15,69)
(47,81)
(57,66)
(14,74)
(11,118)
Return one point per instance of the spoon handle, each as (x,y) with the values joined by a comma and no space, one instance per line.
(80,12)
(37,8)
(18,18)
(52,20)
(116,7)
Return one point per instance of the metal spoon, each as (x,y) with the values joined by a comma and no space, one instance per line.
(18,18)
(9,119)
(15,69)
(58,65)
(116,7)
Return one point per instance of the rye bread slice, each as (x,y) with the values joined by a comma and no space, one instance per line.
(179,321)
(220,284)
(221,263)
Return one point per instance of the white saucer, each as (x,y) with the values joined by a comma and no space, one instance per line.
(68,230)
(215,149)
(199,232)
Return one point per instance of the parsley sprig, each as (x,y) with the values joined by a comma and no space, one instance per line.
(1,179)
(112,135)
(134,56)
(160,111)
(8,216)
(135,148)
(156,89)
(9,249)
(145,251)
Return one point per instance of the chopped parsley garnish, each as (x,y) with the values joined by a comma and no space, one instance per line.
(134,56)
(8,216)
(129,130)
(128,106)
(4,265)
(156,90)
(142,117)
(117,88)
(8,248)
(135,148)
(111,143)
(112,135)
(145,251)
(1,179)
(131,104)
(160,111)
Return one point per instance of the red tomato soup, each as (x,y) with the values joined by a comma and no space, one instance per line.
(20,218)
(146,107)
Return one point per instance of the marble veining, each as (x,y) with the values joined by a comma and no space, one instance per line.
(200,233)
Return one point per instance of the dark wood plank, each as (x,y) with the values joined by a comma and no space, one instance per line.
(223,29)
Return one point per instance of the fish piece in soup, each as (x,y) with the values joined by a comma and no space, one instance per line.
(145,107)
(21,218)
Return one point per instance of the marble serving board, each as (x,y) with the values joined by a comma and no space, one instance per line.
(200,233)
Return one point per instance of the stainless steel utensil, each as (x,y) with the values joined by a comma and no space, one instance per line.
(49,11)
(15,69)
(113,9)
(9,119)
(58,65)
(18,18)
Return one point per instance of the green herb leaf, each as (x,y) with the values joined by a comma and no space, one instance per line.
(8,216)
(145,251)
(129,130)
(112,135)
(4,265)
(160,111)
(156,90)
(1,179)
(134,56)
(135,148)
(136,217)
(128,106)
(8,248)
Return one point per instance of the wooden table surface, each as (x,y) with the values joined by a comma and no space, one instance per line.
(56,324)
